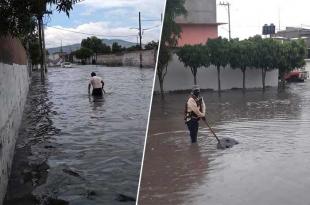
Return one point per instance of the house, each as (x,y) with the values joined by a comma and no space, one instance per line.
(291,33)
(55,59)
(200,22)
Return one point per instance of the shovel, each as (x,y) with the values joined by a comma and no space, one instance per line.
(205,121)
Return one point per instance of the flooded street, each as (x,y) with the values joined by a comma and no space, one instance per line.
(74,149)
(270,165)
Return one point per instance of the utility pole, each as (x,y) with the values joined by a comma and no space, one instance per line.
(140,38)
(228,6)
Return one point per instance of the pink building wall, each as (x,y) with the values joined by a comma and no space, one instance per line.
(193,34)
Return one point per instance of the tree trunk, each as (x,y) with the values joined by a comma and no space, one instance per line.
(195,76)
(43,43)
(263,78)
(161,85)
(243,79)
(41,48)
(219,78)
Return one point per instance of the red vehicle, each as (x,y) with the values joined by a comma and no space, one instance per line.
(296,76)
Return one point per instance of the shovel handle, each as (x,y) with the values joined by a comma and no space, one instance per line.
(212,131)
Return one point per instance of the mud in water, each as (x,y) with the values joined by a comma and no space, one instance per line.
(270,165)
(76,149)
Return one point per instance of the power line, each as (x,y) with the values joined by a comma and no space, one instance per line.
(91,34)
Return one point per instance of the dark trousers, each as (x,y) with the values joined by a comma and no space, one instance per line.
(97,92)
(193,126)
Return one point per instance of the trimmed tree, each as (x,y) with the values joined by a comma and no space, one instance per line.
(194,56)
(241,56)
(219,55)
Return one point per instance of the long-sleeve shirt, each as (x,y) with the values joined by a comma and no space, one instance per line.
(192,107)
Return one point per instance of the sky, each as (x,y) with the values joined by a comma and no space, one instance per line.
(111,19)
(248,16)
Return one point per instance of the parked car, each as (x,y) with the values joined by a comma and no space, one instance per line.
(296,75)
(66,65)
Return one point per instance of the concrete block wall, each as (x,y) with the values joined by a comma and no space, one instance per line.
(126,59)
(14,85)
(180,78)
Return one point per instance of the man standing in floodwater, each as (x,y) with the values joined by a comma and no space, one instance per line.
(195,109)
(97,84)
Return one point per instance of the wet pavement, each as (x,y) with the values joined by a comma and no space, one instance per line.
(270,165)
(74,149)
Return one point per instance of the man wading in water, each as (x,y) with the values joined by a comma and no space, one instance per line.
(97,84)
(195,110)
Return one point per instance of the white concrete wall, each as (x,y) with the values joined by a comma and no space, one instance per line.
(14,84)
(307,66)
(180,78)
(125,59)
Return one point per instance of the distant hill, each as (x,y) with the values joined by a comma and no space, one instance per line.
(74,47)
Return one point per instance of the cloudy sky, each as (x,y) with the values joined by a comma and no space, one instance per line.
(248,16)
(106,19)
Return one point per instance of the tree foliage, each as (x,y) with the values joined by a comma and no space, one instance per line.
(83,53)
(116,48)
(171,32)
(255,52)
(194,57)
(219,50)
(96,45)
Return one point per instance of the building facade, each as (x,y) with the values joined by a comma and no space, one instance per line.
(291,33)
(200,22)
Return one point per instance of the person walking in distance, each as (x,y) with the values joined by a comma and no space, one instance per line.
(97,84)
(195,110)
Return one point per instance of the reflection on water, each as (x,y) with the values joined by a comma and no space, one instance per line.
(95,155)
(269,166)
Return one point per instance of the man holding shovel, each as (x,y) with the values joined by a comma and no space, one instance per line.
(195,109)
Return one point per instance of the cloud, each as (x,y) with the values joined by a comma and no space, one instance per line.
(150,7)
(56,35)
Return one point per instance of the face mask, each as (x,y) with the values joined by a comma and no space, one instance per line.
(196,93)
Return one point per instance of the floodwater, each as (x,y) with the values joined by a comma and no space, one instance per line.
(270,165)
(76,149)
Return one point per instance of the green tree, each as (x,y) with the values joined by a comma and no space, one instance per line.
(241,56)
(116,48)
(34,51)
(133,48)
(83,54)
(291,55)
(171,32)
(194,57)
(219,55)
(151,45)
(95,44)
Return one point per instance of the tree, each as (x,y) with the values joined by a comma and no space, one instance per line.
(34,51)
(219,55)
(171,32)
(291,55)
(194,57)
(116,47)
(133,48)
(95,44)
(241,56)
(151,45)
(83,54)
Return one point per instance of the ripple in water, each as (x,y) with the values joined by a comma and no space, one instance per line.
(94,146)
